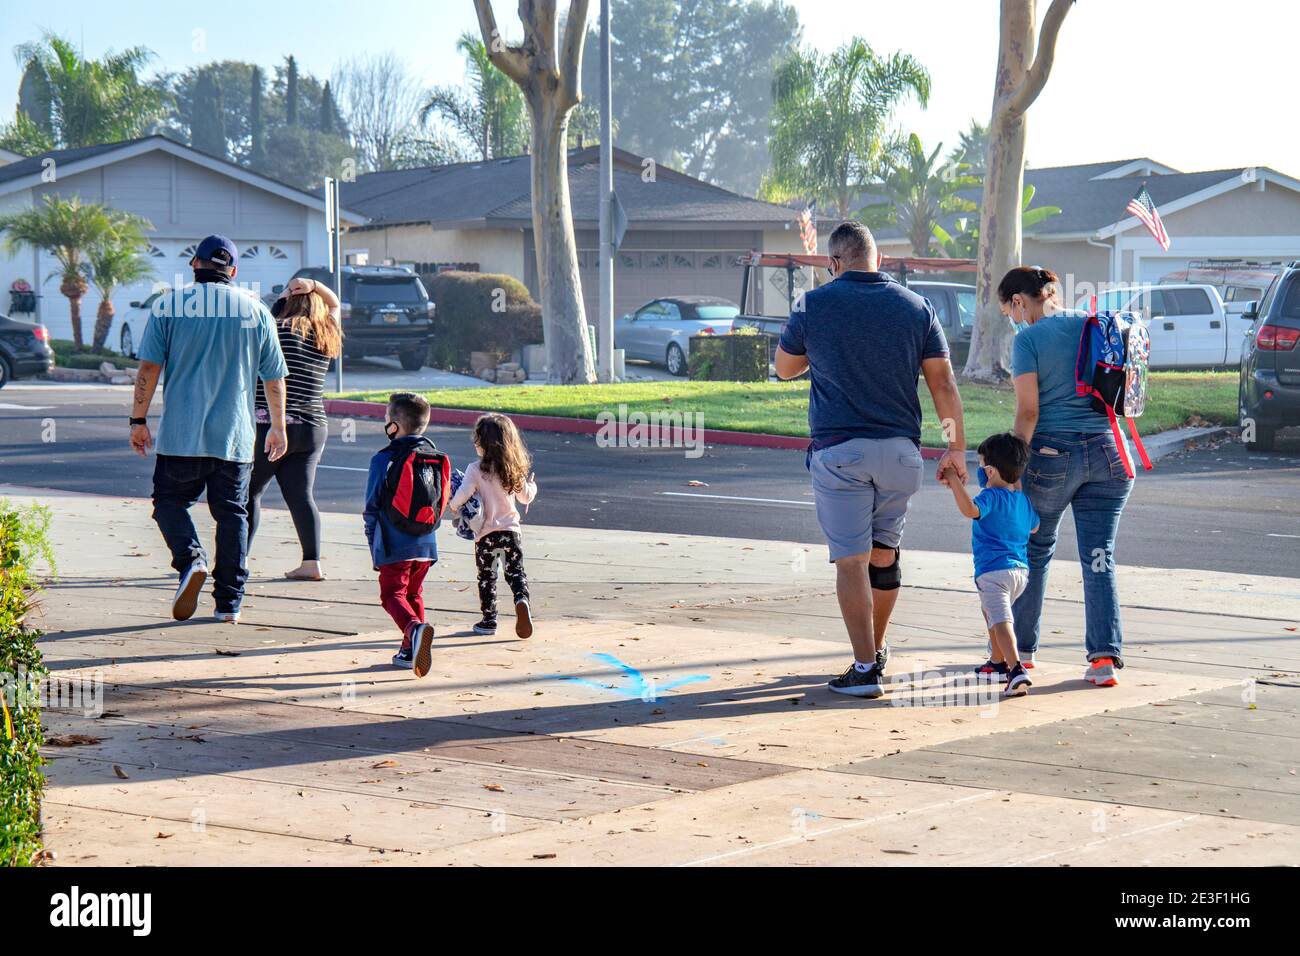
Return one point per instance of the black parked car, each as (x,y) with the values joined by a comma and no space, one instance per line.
(24,350)
(1269,395)
(385,311)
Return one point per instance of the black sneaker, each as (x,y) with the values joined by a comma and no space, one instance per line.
(404,658)
(882,656)
(486,626)
(855,683)
(1018,682)
(523,619)
(992,671)
(422,645)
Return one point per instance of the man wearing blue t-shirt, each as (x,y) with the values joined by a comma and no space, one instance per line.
(865,341)
(213,340)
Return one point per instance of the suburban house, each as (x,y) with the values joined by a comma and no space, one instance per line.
(1251,213)
(185,195)
(683,235)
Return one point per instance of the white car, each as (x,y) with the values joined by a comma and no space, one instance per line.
(1188,324)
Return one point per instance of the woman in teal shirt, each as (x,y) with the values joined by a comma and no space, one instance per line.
(1074,462)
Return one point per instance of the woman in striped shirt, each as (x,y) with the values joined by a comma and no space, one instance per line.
(307,315)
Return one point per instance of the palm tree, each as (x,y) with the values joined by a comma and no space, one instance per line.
(918,194)
(76,102)
(116,261)
(492,115)
(829,119)
(965,241)
(972,146)
(67,229)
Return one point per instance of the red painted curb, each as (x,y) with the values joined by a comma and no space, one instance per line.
(583,426)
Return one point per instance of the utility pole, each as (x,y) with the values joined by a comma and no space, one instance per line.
(605,371)
(334,228)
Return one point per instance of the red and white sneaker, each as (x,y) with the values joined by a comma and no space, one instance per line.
(1101,672)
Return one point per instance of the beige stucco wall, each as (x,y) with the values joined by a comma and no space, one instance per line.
(1244,211)
(495,250)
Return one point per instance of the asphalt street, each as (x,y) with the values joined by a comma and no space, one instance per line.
(1218,507)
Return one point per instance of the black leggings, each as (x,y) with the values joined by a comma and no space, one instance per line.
(511,546)
(295,473)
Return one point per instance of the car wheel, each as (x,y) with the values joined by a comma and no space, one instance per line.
(675,359)
(126,342)
(6,373)
(412,361)
(1256,437)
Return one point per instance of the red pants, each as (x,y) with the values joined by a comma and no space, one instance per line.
(401,592)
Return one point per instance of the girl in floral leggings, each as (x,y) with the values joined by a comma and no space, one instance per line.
(498,479)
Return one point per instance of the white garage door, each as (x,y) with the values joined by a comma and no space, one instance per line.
(643,275)
(262,265)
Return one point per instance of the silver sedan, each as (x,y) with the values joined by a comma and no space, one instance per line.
(660,331)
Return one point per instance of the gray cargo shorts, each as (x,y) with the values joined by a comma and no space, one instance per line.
(998,591)
(862,488)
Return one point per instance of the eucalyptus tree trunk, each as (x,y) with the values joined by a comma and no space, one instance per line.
(1018,83)
(549,76)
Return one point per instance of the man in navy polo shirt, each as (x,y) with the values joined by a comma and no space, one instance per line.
(865,341)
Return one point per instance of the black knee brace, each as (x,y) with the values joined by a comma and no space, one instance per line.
(888,578)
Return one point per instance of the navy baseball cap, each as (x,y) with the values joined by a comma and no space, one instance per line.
(218,249)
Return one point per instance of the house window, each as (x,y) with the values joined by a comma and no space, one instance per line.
(629,260)
(683,260)
(658,260)
(276,252)
(188,252)
(153,252)
(712,262)
(252,252)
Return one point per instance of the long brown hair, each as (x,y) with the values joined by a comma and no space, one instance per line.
(309,316)
(505,457)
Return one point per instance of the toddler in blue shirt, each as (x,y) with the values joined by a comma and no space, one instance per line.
(1003,520)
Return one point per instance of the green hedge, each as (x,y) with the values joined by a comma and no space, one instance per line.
(67,355)
(740,356)
(23,541)
(479,312)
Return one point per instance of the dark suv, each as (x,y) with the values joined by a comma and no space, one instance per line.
(1269,396)
(385,312)
(24,350)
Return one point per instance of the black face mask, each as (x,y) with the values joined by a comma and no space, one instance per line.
(211,275)
(390,430)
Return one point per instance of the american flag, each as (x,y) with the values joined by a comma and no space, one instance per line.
(1142,206)
(808,228)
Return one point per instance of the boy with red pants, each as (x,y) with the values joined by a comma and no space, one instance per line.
(401,559)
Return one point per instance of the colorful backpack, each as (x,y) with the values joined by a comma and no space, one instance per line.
(417,488)
(1114,352)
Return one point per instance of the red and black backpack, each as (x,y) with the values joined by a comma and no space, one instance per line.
(417,488)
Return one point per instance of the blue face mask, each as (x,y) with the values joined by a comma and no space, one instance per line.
(982,476)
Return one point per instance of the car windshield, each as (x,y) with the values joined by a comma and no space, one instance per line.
(966,309)
(1112,301)
(382,291)
(717,311)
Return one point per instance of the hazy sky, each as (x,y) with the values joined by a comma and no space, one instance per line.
(1196,84)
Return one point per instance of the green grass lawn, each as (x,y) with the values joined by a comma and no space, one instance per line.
(781,408)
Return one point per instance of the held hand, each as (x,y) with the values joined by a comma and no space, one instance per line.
(956,460)
(276,444)
(141,440)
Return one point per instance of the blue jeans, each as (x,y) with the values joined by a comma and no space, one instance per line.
(177,484)
(1086,474)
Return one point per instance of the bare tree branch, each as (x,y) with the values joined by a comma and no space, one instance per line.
(1041,68)
(575,33)
(509,60)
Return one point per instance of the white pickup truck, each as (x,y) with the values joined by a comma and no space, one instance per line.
(1188,324)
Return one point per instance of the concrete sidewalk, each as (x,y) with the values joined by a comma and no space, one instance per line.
(670,709)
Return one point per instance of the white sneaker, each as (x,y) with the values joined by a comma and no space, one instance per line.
(186,600)
(227,617)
